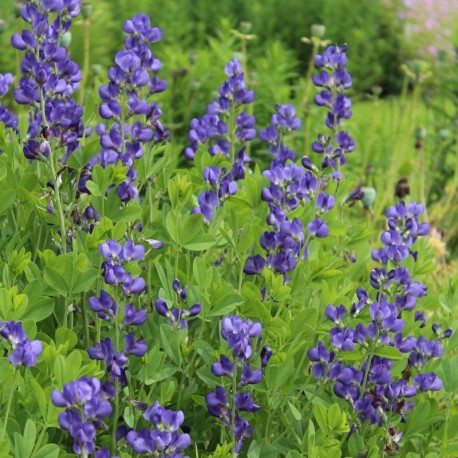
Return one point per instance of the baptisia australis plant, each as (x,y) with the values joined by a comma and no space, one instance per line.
(378,327)
(225,127)
(132,121)
(239,335)
(291,185)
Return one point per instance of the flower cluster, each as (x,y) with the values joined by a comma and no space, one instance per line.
(25,352)
(86,404)
(371,389)
(225,126)
(134,120)
(163,440)
(239,335)
(334,79)
(106,308)
(50,78)
(6,117)
(177,316)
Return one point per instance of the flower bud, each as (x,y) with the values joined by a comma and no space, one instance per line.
(86,10)
(318,30)
(66,39)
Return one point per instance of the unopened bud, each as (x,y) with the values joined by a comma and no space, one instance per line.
(318,30)
(66,40)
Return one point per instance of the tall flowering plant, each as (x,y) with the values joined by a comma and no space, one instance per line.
(290,186)
(377,328)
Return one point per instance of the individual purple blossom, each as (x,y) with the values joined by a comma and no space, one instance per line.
(24,352)
(223,367)
(104,306)
(318,228)
(134,347)
(133,317)
(218,405)
(86,403)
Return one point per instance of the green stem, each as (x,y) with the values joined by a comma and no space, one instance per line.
(234,390)
(369,361)
(55,180)
(117,388)
(85,322)
(40,439)
(86,45)
(307,86)
(8,406)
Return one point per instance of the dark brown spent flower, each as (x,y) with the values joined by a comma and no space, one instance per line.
(402,187)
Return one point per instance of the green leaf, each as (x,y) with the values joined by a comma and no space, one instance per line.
(60,370)
(321,417)
(171,225)
(296,413)
(206,375)
(170,343)
(166,371)
(47,451)
(226,304)
(66,336)
(356,444)
(263,451)
(4,448)
(39,395)
(24,444)
(55,280)
(127,214)
(388,352)
(201,242)
(6,200)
